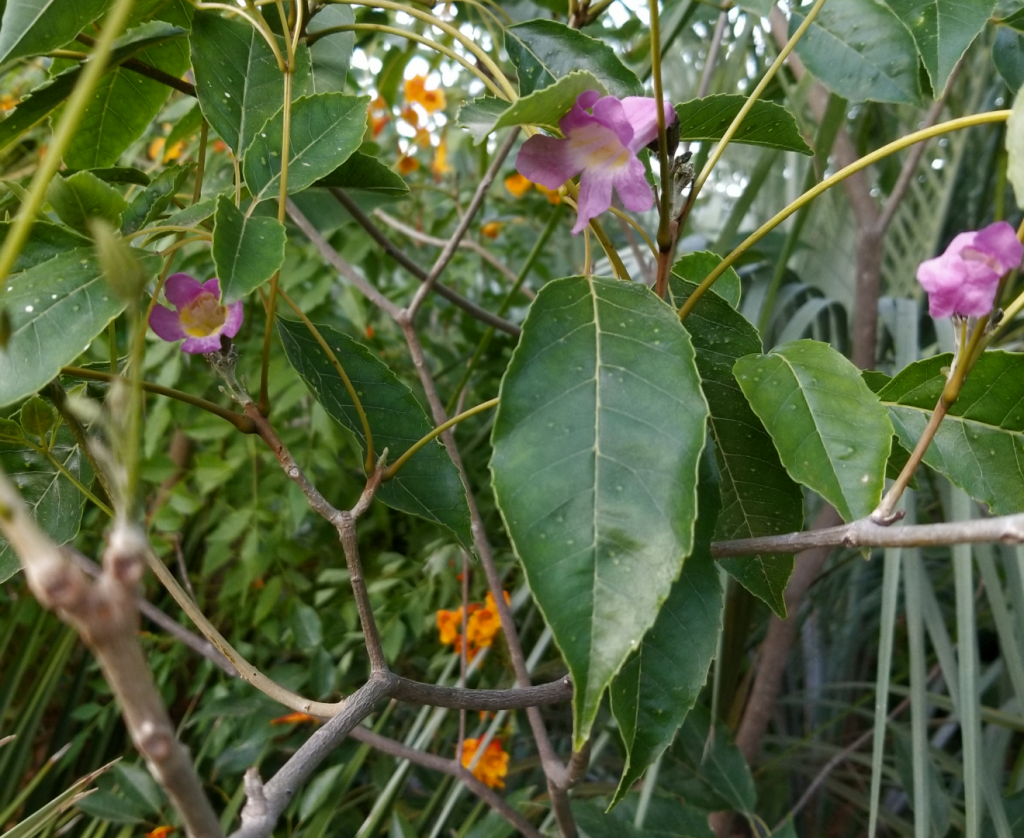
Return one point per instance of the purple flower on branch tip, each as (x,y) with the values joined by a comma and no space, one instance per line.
(602,138)
(198,315)
(965,278)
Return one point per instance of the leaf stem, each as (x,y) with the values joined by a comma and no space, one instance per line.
(338,368)
(243,423)
(838,177)
(74,480)
(95,67)
(440,429)
(665,210)
(448,29)
(412,36)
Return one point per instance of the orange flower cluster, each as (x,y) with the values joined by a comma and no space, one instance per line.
(161,832)
(156,149)
(428,101)
(380,115)
(493,765)
(482,624)
(296,718)
(416,93)
(518,186)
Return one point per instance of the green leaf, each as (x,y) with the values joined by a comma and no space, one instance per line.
(477,116)
(830,430)
(118,174)
(45,240)
(82,197)
(325,130)
(186,127)
(428,485)
(860,50)
(54,500)
(194,215)
(543,51)
(138,784)
(246,251)
(31,27)
(758,496)
(56,309)
(596,444)
(1008,55)
(147,205)
(125,102)
(659,684)
(46,98)
(366,173)
(238,82)
(545,107)
(708,770)
(329,56)
(942,30)
(305,624)
(980,443)
(667,818)
(768,124)
(37,417)
(694,269)
(111,807)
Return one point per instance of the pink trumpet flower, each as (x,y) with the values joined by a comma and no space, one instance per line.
(602,138)
(965,278)
(198,316)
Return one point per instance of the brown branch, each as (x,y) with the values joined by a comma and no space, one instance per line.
(1008,529)
(104,615)
(519,698)
(396,253)
(266,802)
(448,251)
(452,769)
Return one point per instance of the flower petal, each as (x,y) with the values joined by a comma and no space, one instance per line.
(202,346)
(233,321)
(610,113)
(166,323)
(642,113)
(578,116)
(212,286)
(595,196)
(1000,241)
(633,188)
(181,289)
(547,161)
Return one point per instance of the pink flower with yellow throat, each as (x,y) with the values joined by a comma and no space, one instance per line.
(602,136)
(198,316)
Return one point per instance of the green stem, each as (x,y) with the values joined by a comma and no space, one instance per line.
(440,429)
(506,304)
(73,111)
(837,178)
(665,210)
(338,368)
(242,423)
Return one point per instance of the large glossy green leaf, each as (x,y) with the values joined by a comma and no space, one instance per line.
(942,30)
(544,51)
(125,102)
(1008,55)
(767,124)
(246,250)
(54,499)
(82,197)
(830,430)
(238,81)
(980,443)
(330,55)
(659,684)
(45,240)
(596,445)
(365,173)
(428,485)
(56,308)
(148,204)
(758,496)
(665,819)
(31,27)
(326,129)
(547,106)
(860,50)
(707,769)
